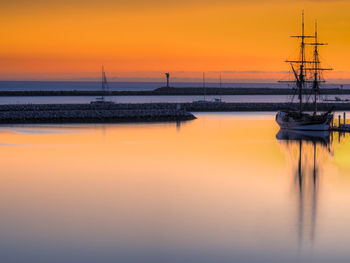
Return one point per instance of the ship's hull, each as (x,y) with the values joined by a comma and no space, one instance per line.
(306,122)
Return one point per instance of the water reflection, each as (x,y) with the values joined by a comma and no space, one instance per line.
(306,170)
(212,191)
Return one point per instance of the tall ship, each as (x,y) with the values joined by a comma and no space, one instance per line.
(307,74)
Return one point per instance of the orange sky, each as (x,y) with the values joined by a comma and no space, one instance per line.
(71,39)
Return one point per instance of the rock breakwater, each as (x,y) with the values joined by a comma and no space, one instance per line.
(87,113)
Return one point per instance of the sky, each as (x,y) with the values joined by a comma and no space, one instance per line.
(134,39)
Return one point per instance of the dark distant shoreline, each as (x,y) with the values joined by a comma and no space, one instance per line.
(173,91)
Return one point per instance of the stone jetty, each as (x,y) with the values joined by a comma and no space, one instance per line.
(171,91)
(89,113)
(144,112)
(242,91)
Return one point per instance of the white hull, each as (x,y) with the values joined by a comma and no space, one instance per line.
(286,122)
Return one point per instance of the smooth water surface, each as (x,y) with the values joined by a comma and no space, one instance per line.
(221,188)
(140,99)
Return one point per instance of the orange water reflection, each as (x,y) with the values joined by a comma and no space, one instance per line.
(221,187)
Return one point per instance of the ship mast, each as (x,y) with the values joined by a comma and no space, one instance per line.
(300,76)
(316,84)
(316,69)
(302,62)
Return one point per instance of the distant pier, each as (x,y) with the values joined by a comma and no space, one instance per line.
(342,125)
(187,91)
(259,106)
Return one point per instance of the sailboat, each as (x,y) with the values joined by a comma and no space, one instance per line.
(205,101)
(307,73)
(105,89)
(204,93)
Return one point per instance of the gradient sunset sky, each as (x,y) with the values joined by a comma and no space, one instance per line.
(245,39)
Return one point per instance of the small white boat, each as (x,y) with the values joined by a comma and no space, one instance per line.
(218,101)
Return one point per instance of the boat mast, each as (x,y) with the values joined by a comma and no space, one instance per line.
(301,74)
(316,69)
(102,83)
(316,84)
(300,77)
(204,89)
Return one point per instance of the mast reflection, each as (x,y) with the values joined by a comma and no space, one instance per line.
(306,171)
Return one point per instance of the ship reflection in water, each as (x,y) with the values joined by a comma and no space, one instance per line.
(305,149)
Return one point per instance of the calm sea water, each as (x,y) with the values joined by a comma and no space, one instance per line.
(150,99)
(221,188)
(140,99)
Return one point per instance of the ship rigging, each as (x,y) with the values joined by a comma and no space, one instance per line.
(306,73)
